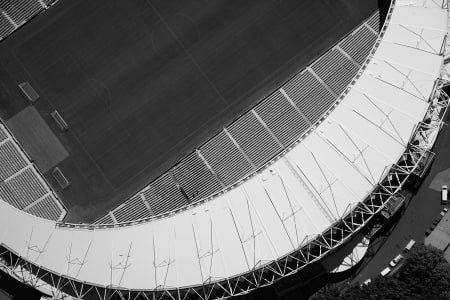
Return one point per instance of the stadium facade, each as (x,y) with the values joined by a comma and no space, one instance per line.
(306,201)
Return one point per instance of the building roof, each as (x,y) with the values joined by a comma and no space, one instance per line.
(278,209)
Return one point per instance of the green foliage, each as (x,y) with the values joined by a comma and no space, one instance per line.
(327,293)
(425,274)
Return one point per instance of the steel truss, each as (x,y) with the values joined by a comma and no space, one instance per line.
(355,257)
(415,160)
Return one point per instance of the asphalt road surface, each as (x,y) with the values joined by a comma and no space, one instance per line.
(423,209)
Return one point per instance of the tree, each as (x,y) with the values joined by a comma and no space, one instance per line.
(327,293)
(425,274)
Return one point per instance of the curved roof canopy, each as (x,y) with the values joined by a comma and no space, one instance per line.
(276,211)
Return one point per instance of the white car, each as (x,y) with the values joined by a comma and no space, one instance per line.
(367,282)
(395,261)
(385,272)
(444,193)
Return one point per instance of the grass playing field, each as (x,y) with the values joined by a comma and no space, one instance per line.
(142,83)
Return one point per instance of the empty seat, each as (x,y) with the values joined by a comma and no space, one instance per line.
(3,134)
(335,69)
(21,185)
(106,219)
(374,22)
(254,139)
(132,209)
(281,118)
(23,188)
(22,11)
(310,95)
(359,44)
(6,27)
(194,178)
(47,208)
(14,14)
(225,159)
(163,195)
(11,160)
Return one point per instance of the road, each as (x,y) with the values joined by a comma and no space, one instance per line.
(423,209)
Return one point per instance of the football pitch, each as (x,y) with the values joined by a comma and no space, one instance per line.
(143,83)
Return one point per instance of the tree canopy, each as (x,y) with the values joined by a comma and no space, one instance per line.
(425,274)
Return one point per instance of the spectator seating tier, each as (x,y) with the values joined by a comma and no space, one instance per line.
(194,178)
(225,158)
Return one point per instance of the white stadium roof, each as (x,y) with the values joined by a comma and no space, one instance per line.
(281,208)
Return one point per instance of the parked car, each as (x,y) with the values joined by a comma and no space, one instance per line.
(444,193)
(367,281)
(385,272)
(395,261)
(409,245)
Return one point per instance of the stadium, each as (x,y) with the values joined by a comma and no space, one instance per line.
(202,150)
